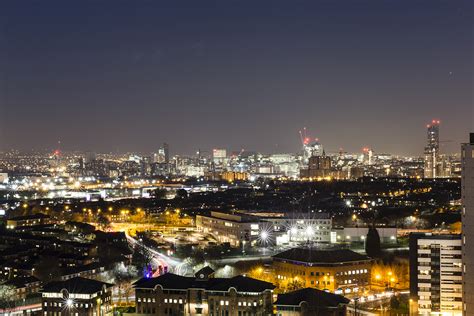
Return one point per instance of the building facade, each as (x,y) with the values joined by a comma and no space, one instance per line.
(299,228)
(236,229)
(388,235)
(29,220)
(339,271)
(467,187)
(318,167)
(309,302)
(436,274)
(77,297)
(432,150)
(173,295)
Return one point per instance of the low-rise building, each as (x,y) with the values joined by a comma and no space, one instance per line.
(171,294)
(29,220)
(77,297)
(233,228)
(388,235)
(436,274)
(24,286)
(339,271)
(298,228)
(309,302)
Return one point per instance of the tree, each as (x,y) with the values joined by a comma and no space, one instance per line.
(372,243)
(122,277)
(103,222)
(159,194)
(181,194)
(7,295)
(141,257)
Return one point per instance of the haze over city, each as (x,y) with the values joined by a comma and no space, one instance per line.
(236,158)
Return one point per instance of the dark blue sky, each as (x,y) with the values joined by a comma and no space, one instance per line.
(128,75)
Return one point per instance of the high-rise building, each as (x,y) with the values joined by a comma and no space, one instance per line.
(312,149)
(436,274)
(163,154)
(432,150)
(467,193)
(318,166)
(219,157)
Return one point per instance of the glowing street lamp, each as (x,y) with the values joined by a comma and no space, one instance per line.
(69,303)
(294,230)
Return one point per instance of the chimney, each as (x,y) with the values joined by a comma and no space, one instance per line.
(471,138)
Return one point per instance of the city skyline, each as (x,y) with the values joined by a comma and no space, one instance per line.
(236,158)
(235,76)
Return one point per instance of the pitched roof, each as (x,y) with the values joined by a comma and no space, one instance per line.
(26,217)
(22,281)
(76,285)
(310,255)
(206,271)
(313,297)
(173,281)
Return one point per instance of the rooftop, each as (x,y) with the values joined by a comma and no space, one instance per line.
(318,256)
(26,217)
(76,285)
(313,297)
(22,281)
(173,281)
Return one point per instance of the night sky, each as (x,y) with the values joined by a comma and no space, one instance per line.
(128,75)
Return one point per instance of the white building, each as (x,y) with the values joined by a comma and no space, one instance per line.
(219,156)
(388,235)
(298,228)
(3,177)
(195,171)
(436,274)
(233,228)
(467,185)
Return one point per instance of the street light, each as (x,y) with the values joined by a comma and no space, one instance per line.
(264,237)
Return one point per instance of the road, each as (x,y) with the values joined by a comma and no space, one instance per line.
(158,259)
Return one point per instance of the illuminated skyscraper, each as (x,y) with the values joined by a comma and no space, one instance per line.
(219,156)
(163,155)
(432,150)
(164,151)
(467,193)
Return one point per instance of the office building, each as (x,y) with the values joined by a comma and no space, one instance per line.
(234,228)
(3,177)
(432,150)
(467,187)
(318,167)
(29,220)
(171,294)
(219,157)
(296,228)
(340,271)
(163,154)
(436,274)
(388,235)
(311,149)
(77,297)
